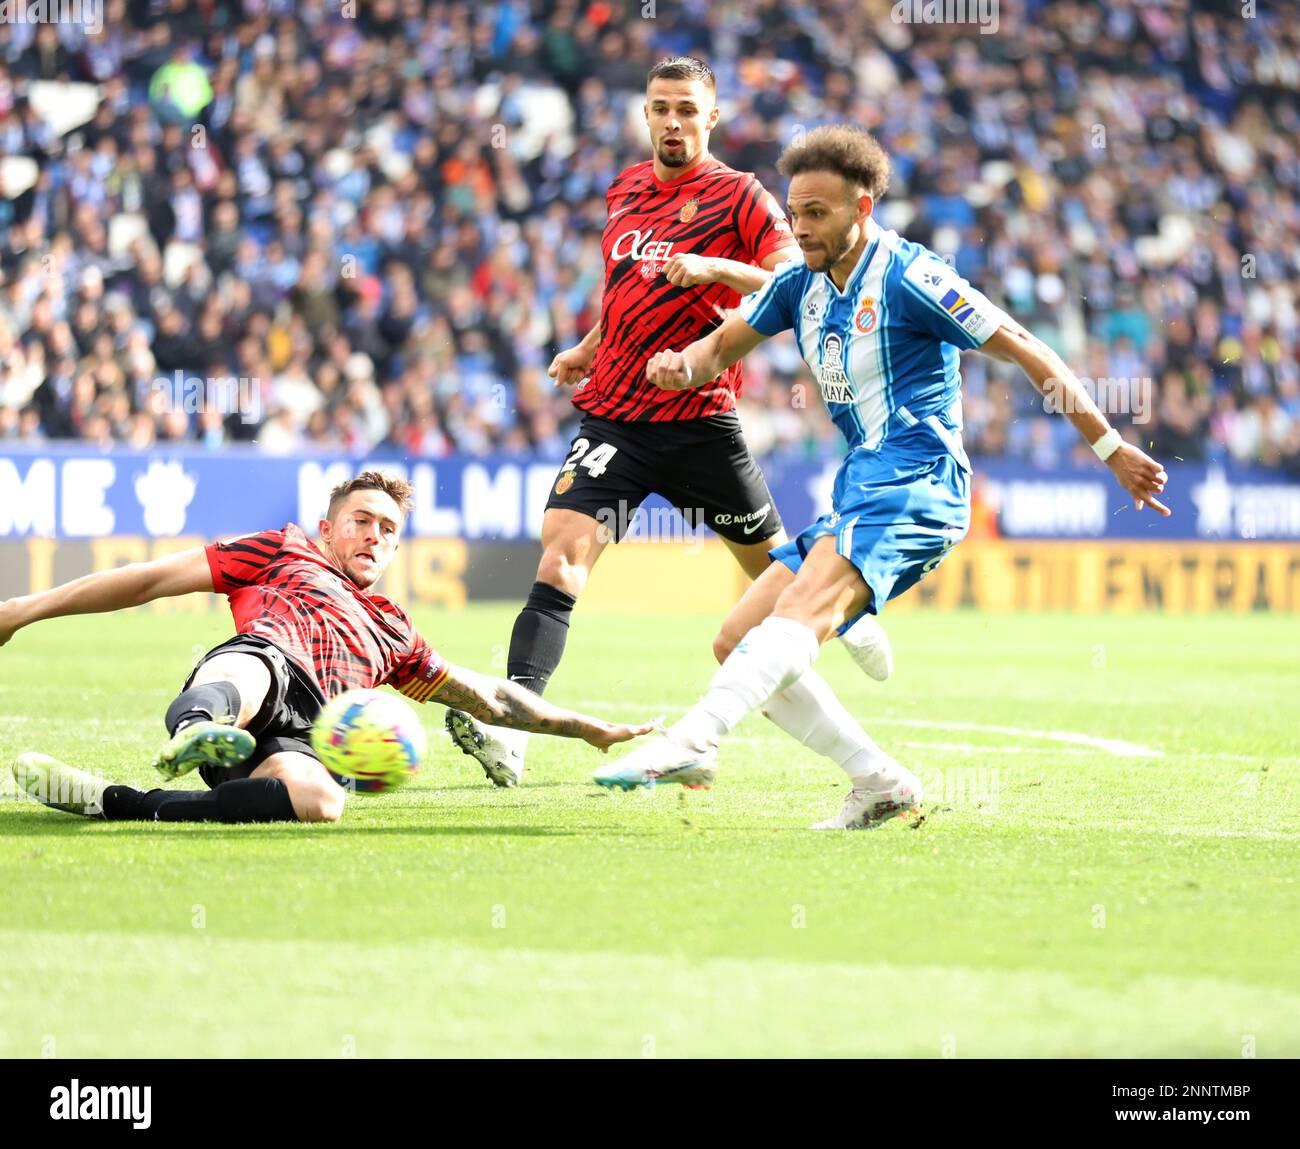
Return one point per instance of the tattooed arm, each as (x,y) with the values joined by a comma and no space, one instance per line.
(504,703)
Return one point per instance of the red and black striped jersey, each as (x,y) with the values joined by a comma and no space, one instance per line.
(283,589)
(712,211)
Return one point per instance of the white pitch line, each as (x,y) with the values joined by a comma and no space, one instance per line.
(912,744)
(1221,832)
(1271,759)
(1116,746)
(976,748)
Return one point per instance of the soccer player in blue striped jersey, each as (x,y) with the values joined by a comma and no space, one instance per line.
(881,323)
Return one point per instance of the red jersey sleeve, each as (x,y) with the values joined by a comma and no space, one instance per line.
(242,561)
(761,222)
(420,673)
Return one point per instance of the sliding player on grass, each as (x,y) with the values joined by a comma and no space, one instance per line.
(880,322)
(308,629)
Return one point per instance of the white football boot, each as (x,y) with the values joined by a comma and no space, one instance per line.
(499,751)
(659,759)
(871,809)
(60,786)
(868,646)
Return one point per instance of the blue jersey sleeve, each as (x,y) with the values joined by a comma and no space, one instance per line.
(943,304)
(771,309)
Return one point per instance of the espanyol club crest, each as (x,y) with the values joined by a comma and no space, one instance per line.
(865,320)
(689,208)
(564,482)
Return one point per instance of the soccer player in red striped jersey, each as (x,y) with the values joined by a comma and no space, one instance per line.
(308,628)
(686,236)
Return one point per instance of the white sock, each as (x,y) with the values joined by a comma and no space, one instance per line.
(809,711)
(770,657)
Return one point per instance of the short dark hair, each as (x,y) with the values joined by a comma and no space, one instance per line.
(846,151)
(683,68)
(399,490)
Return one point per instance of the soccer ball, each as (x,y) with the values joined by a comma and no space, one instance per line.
(369,740)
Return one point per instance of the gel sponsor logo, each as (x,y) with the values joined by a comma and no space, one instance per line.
(636,245)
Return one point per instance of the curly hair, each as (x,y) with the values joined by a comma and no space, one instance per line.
(847,151)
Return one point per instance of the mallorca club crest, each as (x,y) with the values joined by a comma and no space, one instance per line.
(865,320)
(564,482)
(689,208)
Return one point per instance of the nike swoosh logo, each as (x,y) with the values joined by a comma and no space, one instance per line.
(749,530)
(620,211)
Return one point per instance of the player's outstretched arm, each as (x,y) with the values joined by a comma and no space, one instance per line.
(504,703)
(1139,474)
(706,359)
(131,585)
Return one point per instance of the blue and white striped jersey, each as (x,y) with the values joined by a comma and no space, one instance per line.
(888,343)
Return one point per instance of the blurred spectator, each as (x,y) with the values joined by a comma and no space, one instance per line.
(385,227)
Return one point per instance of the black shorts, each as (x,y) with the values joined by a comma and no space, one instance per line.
(701,466)
(285,720)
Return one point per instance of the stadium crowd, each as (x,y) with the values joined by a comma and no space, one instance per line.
(384,217)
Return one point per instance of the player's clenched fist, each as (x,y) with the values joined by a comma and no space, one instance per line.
(687,270)
(571,366)
(669,370)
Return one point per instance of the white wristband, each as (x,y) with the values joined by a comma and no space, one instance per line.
(1108,444)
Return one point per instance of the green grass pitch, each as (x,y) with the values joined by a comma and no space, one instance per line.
(1107,866)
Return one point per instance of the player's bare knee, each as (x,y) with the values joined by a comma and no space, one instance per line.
(322,804)
(559,569)
(248,673)
(315,799)
(724,642)
(816,616)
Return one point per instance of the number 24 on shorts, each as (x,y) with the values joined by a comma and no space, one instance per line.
(596,461)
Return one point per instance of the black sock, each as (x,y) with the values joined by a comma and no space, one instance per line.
(209,702)
(537,642)
(243,800)
(127,804)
